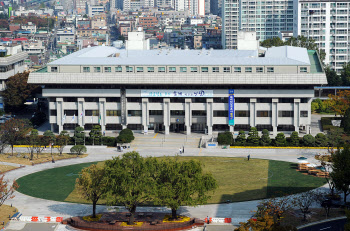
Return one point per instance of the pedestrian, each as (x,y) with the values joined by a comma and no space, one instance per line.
(248,157)
(207,219)
(183,149)
(180,150)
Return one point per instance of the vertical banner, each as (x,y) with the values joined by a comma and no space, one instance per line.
(231,107)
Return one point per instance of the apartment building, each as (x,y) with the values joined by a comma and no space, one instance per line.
(181,90)
(327,22)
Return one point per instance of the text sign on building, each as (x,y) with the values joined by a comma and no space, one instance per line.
(231,107)
(177,93)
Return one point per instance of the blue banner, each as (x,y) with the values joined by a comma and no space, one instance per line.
(231,107)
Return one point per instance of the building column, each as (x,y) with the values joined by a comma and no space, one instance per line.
(308,115)
(274,119)
(252,109)
(60,114)
(80,111)
(188,115)
(145,114)
(232,128)
(166,115)
(102,111)
(296,120)
(210,115)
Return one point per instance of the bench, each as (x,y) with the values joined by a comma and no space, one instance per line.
(322,174)
(16,216)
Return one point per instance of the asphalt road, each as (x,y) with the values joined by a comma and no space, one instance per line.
(337,225)
(33,227)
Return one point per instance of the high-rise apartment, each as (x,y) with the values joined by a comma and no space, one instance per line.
(327,22)
(230,21)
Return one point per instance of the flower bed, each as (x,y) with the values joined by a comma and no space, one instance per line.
(136,224)
(167,218)
(90,218)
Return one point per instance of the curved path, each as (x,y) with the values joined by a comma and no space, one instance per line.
(241,211)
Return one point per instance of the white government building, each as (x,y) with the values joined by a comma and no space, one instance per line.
(182,90)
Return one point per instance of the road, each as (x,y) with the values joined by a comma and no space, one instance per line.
(335,225)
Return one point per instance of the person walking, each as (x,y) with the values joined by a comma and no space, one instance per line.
(180,150)
(248,157)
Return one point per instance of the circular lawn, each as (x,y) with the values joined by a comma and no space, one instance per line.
(238,180)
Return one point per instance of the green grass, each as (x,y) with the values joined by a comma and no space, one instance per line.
(238,180)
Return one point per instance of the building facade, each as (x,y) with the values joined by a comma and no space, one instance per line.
(181,90)
(327,22)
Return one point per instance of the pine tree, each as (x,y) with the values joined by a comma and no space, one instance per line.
(253,137)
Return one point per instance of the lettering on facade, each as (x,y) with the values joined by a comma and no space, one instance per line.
(231,107)
(176,93)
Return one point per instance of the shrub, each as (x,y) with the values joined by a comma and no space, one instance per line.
(253,137)
(240,140)
(265,138)
(125,136)
(38,119)
(309,140)
(326,122)
(225,138)
(321,140)
(346,122)
(280,140)
(109,141)
(294,139)
(78,149)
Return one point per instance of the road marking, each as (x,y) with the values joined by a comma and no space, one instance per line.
(155,135)
(326,228)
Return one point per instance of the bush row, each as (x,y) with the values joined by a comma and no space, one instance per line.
(326,122)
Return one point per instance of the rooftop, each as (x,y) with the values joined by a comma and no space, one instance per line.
(103,55)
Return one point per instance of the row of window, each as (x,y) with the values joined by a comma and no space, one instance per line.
(131,69)
(238,113)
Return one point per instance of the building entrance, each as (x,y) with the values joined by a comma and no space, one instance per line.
(199,128)
(178,128)
(156,127)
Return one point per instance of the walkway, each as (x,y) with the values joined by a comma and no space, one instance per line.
(30,206)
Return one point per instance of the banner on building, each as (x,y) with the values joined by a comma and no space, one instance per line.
(177,93)
(231,107)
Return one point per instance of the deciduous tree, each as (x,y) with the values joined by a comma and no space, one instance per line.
(6,190)
(304,201)
(78,149)
(50,138)
(183,183)
(340,173)
(15,130)
(92,184)
(61,141)
(340,103)
(345,74)
(345,123)
(32,141)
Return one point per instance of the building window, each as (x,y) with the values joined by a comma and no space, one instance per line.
(244,127)
(263,114)
(54,69)
(112,99)
(248,69)
(135,126)
(183,69)
(156,100)
(177,112)
(304,113)
(70,126)
(259,70)
(242,100)
(112,113)
(227,69)
(270,69)
(172,69)
(134,113)
(110,127)
(285,113)
(264,100)
(220,99)
(150,69)
(161,69)
(261,127)
(86,69)
(118,69)
(92,113)
(242,113)
(71,112)
(199,113)
(92,99)
(204,69)
(69,99)
(285,100)
(303,100)
(238,69)
(194,69)
(129,69)
(215,69)
(177,100)
(155,112)
(303,69)
(281,128)
(108,69)
(139,69)
(97,69)
(53,112)
(220,113)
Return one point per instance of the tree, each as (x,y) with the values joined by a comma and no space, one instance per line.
(309,140)
(272,42)
(265,139)
(50,139)
(333,78)
(280,140)
(294,139)
(345,123)
(32,142)
(304,201)
(79,135)
(125,136)
(253,137)
(61,141)
(78,149)
(334,137)
(347,225)
(17,91)
(130,181)
(95,134)
(183,183)
(241,140)
(92,184)
(340,103)
(320,140)
(340,171)
(6,190)
(15,130)
(225,138)
(3,143)
(345,74)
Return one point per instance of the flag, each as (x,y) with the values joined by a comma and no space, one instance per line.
(92,119)
(73,118)
(81,115)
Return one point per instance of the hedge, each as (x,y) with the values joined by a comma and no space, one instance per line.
(326,123)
